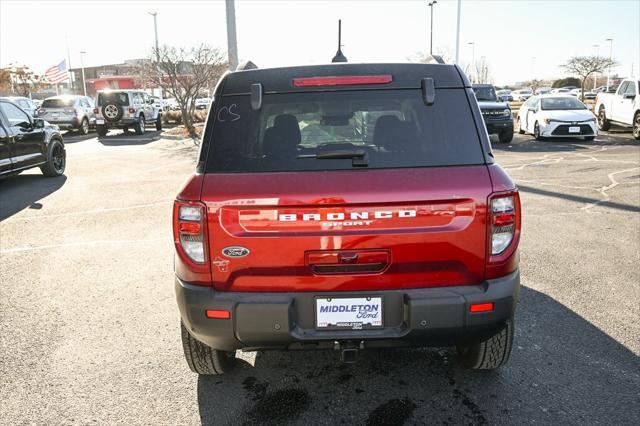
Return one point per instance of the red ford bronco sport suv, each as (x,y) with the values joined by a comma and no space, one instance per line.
(346,207)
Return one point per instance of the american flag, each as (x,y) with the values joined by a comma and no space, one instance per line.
(57,73)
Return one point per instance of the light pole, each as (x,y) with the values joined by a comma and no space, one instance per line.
(232,43)
(155,31)
(458,34)
(84,82)
(610,40)
(431,3)
(595,74)
(473,57)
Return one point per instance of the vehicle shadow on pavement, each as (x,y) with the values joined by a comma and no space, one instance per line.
(562,369)
(129,138)
(21,191)
(70,137)
(578,198)
(563,144)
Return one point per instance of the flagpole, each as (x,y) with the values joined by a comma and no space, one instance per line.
(73,86)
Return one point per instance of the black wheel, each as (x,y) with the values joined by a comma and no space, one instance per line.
(506,136)
(139,125)
(519,125)
(636,126)
(203,359)
(101,129)
(125,129)
(536,132)
(159,122)
(56,159)
(589,138)
(112,112)
(489,354)
(603,122)
(84,127)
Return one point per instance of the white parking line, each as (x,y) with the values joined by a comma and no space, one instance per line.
(94,211)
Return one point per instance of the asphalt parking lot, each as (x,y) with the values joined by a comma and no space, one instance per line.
(89,329)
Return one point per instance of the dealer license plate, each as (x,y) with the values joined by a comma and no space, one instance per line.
(349,313)
(574,129)
(99,121)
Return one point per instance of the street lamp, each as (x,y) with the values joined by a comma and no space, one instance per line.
(610,40)
(473,57)
(84,82)
(431,3)
(155,30)
(595,74)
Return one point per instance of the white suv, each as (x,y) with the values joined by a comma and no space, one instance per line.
(126,108)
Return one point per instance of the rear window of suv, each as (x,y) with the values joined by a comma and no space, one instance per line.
(303,131)
(57,103)
(121,99)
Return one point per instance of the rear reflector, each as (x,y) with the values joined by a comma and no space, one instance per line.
(211,313)
(191,228)
(481,307)
(347,80)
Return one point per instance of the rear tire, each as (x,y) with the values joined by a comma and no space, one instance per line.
(505,136)
(56,159)
(589,138)
(522,132)
(84,127)
(489,354)
(203,359)
(636,126)
(101,130)
(139,126)
(603,122)
(159,122)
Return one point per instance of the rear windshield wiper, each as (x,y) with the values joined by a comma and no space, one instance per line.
(357,156)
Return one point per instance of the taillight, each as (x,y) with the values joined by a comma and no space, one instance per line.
(189,223)
(503,223)
(132,110)
(346,80)
(95,110)
(41,111)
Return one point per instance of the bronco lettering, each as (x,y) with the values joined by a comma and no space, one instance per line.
(311,217)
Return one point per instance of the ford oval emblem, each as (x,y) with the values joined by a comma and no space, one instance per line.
(235,251)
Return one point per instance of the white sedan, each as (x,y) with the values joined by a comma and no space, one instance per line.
(522,94)
(558,116)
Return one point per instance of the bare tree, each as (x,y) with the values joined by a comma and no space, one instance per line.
(185,73)
(483,73)
(585,66)
(19,80)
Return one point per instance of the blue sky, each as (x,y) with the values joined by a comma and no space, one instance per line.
(509,34)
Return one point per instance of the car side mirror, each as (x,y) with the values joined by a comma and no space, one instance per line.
(628,96)
(38,123)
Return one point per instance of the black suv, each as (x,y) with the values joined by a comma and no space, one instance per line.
(27,142)
(496,114)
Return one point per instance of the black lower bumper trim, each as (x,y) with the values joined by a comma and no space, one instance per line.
(416,317)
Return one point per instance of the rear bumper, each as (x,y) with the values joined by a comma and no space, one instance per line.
(416,317)
(123,122)
(64,124)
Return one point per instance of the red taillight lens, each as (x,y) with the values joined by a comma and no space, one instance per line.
(481,307)
(41,111)
(95,110)
(189,223)
(132,110)
(503,223)
(217,314)
(347,80)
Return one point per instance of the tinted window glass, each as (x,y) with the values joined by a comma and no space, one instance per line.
(631,88)
(562,103)
(57,103)
(304,131)
(118,98)
(14,114)
(485,93)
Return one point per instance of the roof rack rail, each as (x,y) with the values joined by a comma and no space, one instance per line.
(434,59)
(246,65)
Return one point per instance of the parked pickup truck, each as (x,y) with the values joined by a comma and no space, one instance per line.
(621,108)
(346,207)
